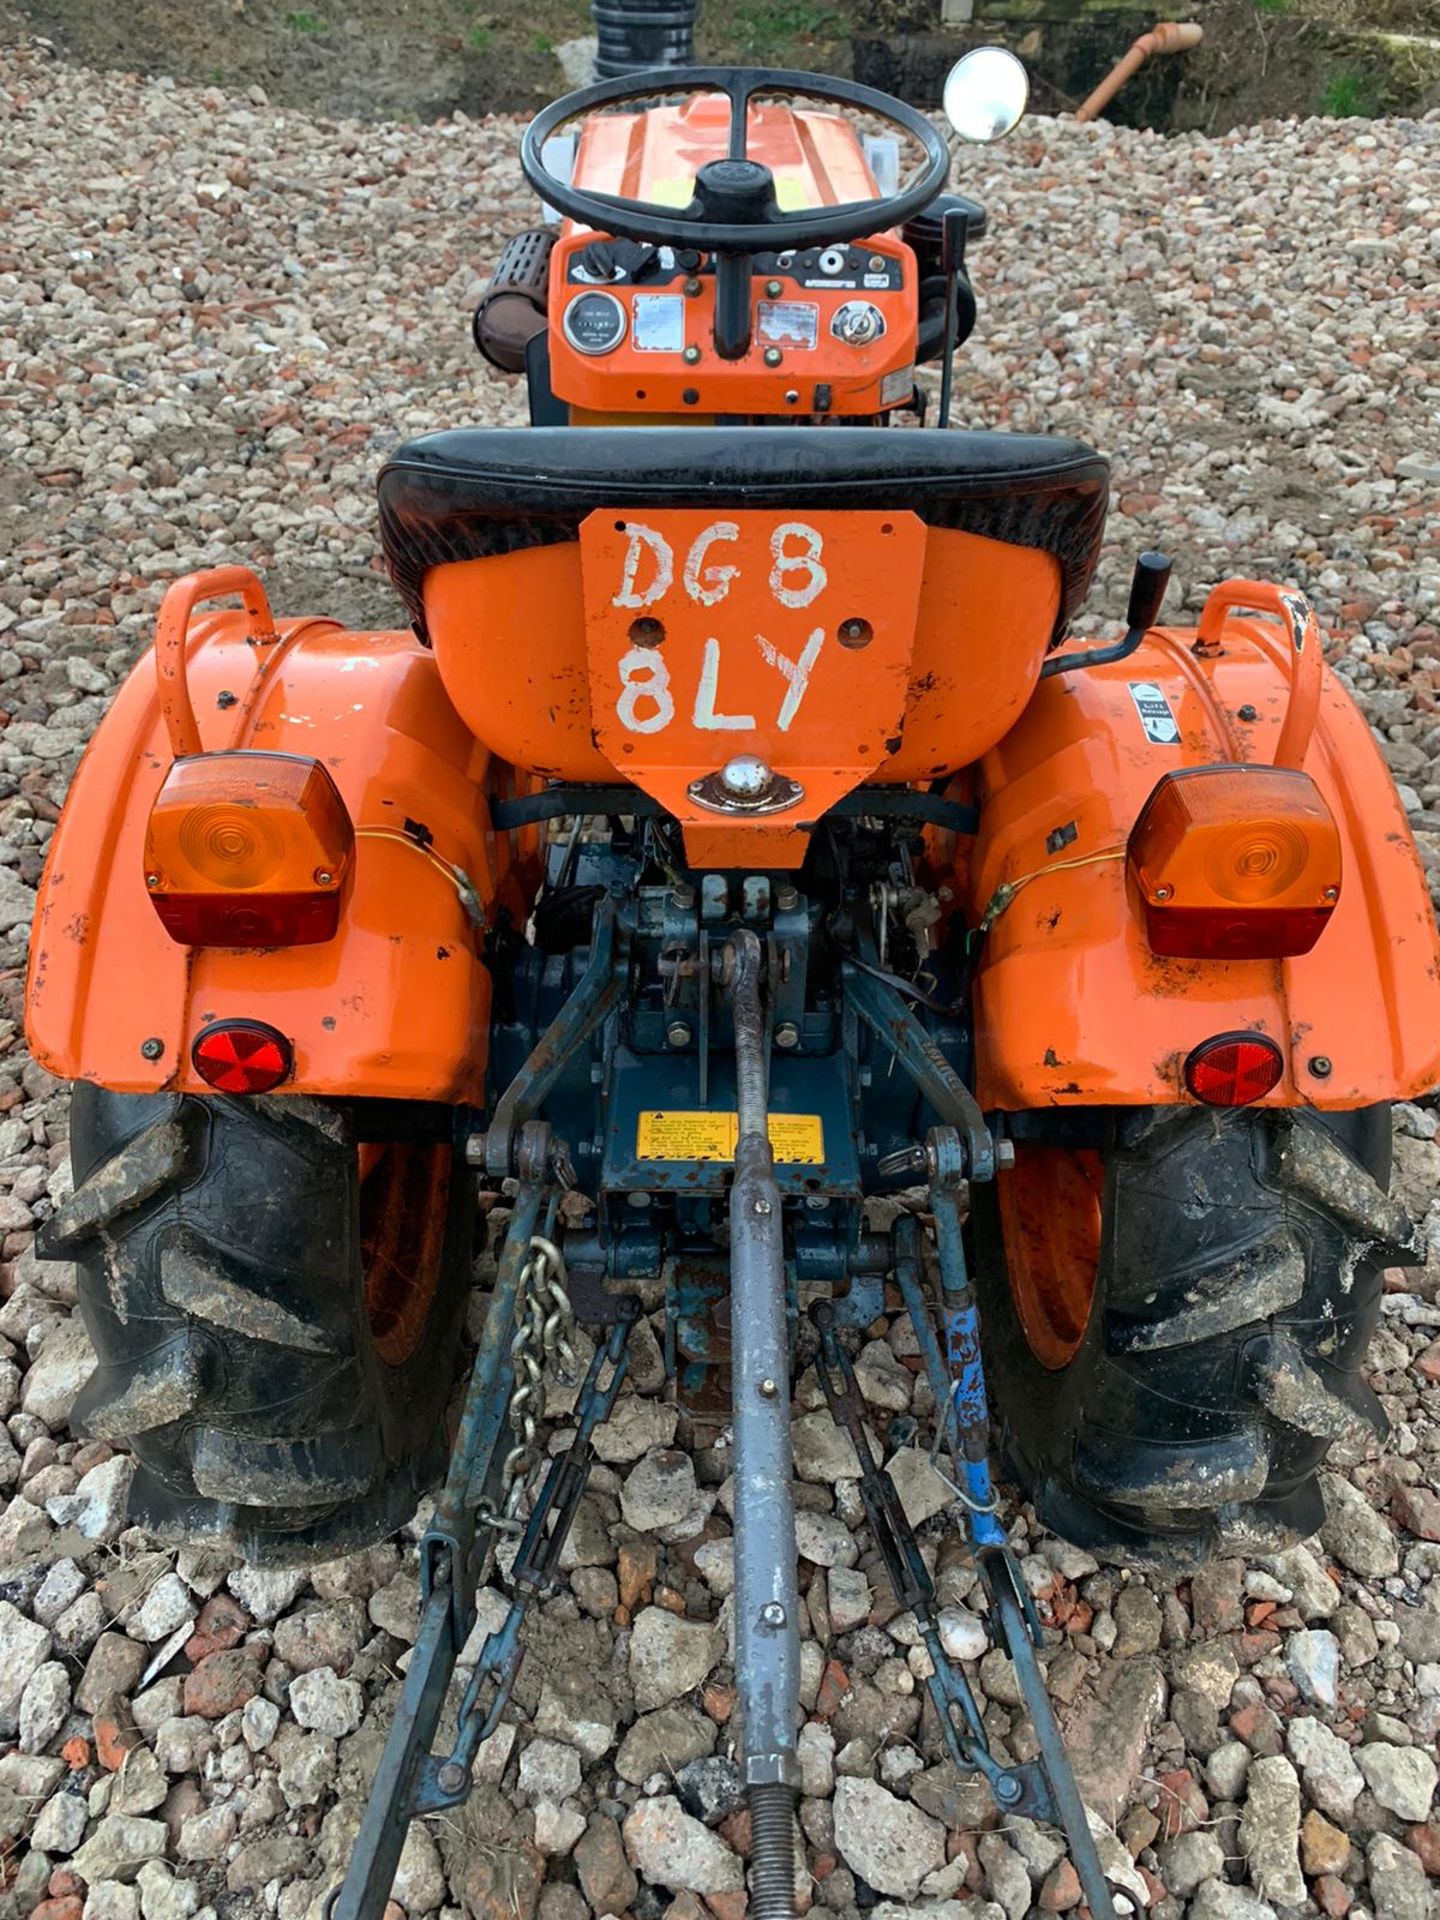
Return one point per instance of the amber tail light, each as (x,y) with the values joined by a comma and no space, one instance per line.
(1235,863)
(248,849)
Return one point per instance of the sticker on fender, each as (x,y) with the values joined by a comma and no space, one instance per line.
(796,1139)
(1156,717)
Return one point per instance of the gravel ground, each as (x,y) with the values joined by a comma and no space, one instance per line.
(214,321)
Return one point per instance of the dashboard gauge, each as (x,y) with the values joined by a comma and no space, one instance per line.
(595,323)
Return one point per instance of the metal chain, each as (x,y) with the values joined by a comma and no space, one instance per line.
(544,1326)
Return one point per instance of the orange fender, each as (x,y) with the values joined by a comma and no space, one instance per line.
(397,1005)
(1072,1007)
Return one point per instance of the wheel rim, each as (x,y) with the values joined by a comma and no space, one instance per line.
(404,1195)
(1050,1218)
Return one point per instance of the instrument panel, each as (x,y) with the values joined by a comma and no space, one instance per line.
(833,329)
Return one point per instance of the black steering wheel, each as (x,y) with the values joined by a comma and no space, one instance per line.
(734,212)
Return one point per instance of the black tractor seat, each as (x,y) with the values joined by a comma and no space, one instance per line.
(474,492)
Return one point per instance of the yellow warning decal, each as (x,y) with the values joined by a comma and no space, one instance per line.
(685,1136)
(796,1139)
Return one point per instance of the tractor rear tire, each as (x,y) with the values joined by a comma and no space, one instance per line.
(277,1309)
(1175,1323)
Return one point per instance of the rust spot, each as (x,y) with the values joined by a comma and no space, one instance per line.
(1052,1059)
(442,953)
(78,929)
(328,1022)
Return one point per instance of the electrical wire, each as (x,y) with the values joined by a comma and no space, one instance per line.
(1007,890)
(464,886)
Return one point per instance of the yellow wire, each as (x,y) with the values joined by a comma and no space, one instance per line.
(1007,890)
(457,876)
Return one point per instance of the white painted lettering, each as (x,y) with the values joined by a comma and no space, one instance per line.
(643,539)
(644,677)
(705,713)
(808,561)
(797,672)
(713,584)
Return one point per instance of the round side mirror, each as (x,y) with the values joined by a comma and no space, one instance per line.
(985,94)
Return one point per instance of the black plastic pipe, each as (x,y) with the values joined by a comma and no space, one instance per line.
(639,34)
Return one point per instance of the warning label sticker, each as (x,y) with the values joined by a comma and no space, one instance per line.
(788,323)
(897,386)
(1160,724)
(796,1139)
(659,322)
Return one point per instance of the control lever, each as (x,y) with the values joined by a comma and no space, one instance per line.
(1147,592)
(954,229)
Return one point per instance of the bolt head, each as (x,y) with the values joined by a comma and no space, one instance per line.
(152,879)
(787,1035)
(678,1034)
(773,289)
(773,356)
(746,776)
(763,1207)
(691,355)
(1322,1066)
(152,1049)
(768,1389)
(451,1777)
(772,1614)
(1163,893)
(1004,1153)
(324,877)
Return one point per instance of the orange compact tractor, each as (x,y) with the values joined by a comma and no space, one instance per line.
(733,837)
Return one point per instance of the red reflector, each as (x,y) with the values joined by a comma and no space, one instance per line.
(1233,1069)
(241,1056)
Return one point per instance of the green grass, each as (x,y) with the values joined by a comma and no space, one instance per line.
(478,39)
(1275,6)
(307,23)
(1346,96)
(765,27)
(542,43)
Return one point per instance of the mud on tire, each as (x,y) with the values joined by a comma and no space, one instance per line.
(276,1309)
(1237,1284)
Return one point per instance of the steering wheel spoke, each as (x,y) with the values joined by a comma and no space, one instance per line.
(741,94)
